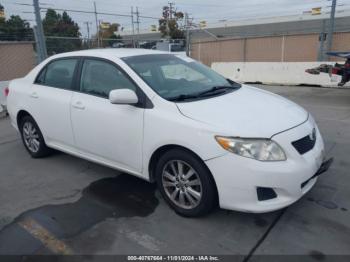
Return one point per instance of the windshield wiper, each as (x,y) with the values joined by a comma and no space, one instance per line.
(182,97)
(215,90)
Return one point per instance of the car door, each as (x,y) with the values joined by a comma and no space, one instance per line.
(50,97)
(108,133)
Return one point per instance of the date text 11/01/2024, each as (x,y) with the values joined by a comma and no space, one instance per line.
(173,258)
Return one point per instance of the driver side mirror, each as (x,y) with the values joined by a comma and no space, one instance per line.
(123,97)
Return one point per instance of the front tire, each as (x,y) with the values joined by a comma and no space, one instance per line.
(32,138)
(185,183)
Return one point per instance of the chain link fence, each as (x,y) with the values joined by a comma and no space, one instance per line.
(17,58)
(56,45)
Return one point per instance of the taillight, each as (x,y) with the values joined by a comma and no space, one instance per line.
(6,91)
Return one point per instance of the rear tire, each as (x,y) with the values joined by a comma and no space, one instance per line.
(32,138)
(185,183)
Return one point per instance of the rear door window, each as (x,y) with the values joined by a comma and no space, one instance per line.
(58,73)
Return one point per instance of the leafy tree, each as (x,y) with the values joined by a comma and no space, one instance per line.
(110,33)
(118,39)
(168,24)
(62,33)
(2,15)
(14,29)
(2,23)
(107,35)
(18,29)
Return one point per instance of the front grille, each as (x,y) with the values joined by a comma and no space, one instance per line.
(304,144)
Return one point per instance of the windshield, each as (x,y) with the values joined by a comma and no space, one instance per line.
(175,77)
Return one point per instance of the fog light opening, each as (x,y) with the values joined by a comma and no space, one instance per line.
(265,193)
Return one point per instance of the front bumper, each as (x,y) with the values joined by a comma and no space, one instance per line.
(238,178)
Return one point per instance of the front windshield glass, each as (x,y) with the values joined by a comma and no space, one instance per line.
(172,76)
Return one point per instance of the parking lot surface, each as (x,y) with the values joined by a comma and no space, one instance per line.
(65,205)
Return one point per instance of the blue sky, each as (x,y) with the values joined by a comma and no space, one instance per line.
(210,10)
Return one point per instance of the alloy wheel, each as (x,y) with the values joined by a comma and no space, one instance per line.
(31,137)
(182,184)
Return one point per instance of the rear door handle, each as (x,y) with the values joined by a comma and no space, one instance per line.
(34,95)
(78,105)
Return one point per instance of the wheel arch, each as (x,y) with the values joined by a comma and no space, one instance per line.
(22,113)
(165,148)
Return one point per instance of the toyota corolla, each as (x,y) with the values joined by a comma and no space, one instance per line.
(204,139)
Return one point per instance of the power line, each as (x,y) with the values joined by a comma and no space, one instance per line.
(86,12)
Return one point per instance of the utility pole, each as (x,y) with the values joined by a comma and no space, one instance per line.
(171,5)
(322,39)
(170,16)
(97,26)
(133,26)
(137,20)
(41,44)
(88,33)
(331,27)
(100,36)
(36,38)
(137,25)
(188,34)
(87,28)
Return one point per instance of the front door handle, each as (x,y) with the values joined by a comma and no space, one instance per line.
(34,95)
(79,105)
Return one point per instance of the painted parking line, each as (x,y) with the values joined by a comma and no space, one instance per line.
(45,237)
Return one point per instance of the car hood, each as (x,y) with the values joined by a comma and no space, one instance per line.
(246,112)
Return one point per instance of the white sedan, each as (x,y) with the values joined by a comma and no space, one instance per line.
(205,140)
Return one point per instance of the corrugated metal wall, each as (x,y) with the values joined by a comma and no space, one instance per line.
(232,50)
(16,59)
(265,49)
(290,48)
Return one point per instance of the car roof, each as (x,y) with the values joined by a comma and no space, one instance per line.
(111,52)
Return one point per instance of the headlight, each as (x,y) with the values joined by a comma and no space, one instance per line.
(259,149)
